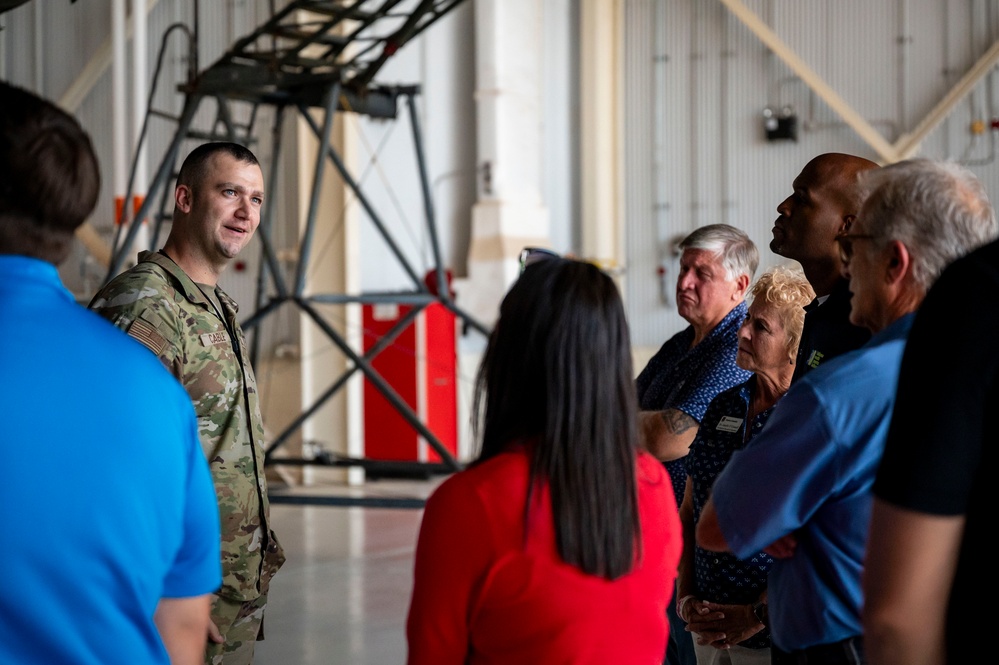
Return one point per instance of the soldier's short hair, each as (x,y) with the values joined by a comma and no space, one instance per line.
(49,176)
(195,167)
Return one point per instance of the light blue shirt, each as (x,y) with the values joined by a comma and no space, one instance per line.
(809,473)
(107,503)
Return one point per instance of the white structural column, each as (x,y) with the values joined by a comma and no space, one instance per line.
(139,92)
(140,75)
(600,163)
(111,52)
(509,214)
(119,101)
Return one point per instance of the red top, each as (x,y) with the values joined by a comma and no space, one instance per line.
(483,595)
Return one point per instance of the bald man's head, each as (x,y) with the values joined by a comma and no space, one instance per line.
(826,198)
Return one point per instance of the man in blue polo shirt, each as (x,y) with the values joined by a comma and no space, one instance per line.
(111,527)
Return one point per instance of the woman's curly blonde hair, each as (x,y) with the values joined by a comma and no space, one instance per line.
(785,287)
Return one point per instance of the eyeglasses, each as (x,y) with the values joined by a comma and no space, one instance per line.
(845,241)
(531,255)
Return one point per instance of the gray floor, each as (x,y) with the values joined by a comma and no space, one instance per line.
(341,598)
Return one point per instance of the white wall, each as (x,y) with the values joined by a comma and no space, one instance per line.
(693,82)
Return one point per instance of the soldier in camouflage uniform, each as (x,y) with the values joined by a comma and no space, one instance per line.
(170,301)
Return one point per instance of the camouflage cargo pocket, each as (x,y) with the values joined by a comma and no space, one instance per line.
(273,560)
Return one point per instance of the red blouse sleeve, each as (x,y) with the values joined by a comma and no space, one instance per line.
(452,558)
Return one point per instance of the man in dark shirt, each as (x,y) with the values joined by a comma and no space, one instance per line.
(824,203)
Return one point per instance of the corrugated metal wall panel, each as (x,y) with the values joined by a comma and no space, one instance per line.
(890,60)
(643,155)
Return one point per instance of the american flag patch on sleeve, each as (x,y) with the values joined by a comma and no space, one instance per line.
(148,335)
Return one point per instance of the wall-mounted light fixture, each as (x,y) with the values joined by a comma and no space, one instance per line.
(782,125)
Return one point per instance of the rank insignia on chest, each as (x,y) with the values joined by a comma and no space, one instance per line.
(214,339)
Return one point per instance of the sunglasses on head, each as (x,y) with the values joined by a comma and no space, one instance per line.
(531,255)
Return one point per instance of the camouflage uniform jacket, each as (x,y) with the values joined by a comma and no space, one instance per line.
(159,305)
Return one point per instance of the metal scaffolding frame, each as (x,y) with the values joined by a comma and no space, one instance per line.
(313,54)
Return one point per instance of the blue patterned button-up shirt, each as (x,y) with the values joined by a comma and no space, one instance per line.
(687,379)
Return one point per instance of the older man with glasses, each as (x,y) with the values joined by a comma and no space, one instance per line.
(802,489)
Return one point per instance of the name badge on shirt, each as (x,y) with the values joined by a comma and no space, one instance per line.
(214,339)
(729,424)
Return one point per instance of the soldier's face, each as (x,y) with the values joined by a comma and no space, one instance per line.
(226,206)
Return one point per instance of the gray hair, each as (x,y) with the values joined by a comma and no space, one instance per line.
(938,209)
(739,255)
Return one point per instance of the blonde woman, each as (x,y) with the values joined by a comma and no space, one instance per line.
(722,598)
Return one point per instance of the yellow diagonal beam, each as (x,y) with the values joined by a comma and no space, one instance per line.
(873,138)
(908,144)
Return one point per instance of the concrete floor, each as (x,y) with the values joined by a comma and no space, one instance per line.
(343,594)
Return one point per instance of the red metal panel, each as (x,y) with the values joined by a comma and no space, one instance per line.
(441,378)
(387,435)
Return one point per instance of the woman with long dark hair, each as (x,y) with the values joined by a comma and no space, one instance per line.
(560,542)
